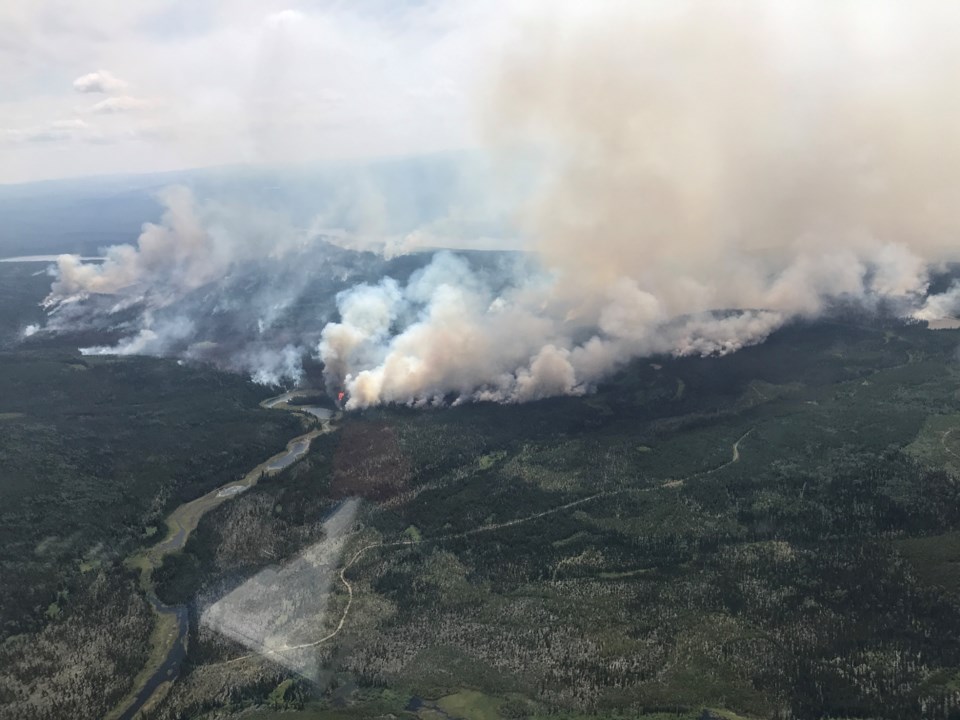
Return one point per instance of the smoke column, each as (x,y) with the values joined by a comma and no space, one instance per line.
(697,175)
(764,156)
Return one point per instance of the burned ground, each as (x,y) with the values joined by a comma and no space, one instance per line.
(369,462)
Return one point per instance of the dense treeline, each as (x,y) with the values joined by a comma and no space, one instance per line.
(79,664)
(797,582)
(815,577)
(95,451)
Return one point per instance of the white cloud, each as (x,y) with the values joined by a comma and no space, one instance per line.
(120,104)
(284,16)
(100,81)
(244,81)
(72,124)
(57,131)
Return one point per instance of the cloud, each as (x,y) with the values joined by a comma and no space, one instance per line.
(283,17)
(57,131)
(120,104)
(243,82)
(100,81)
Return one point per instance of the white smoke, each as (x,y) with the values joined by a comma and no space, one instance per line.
(268,366)
(153,338)
(194,248)
(451,334)
(769,157)
(944,305)
(700,174)
(191,246)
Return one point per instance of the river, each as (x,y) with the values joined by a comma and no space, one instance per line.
(169,670)
(181,522)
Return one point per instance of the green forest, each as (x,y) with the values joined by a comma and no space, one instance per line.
(814,575)
(94,452)
(770,534)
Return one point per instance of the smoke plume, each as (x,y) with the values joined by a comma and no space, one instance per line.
(768,157)
(189,248)
(699,175)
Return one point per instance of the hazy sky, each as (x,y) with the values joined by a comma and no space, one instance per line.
(108,86)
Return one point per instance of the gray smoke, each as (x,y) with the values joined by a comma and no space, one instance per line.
(699,175)
(192,246)
(452,331)
(780,156)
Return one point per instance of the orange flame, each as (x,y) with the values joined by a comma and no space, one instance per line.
(340,396)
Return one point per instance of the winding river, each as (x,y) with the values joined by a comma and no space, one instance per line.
(156,679)
(170,637)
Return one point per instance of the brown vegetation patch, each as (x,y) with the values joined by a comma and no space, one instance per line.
(369,462)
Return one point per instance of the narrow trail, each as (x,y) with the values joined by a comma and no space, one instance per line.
(943,443)
(735,457)
(736,450)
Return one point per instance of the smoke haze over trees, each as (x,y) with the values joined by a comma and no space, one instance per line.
(685,179)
